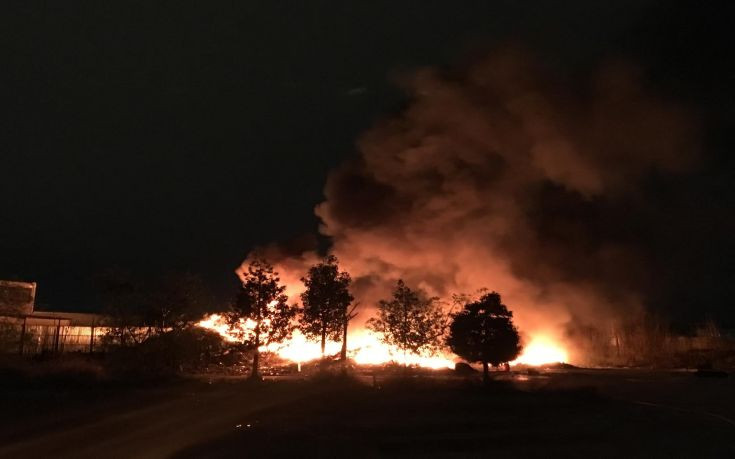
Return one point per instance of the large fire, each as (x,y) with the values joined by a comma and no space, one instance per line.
(366,348)
(363,346)
(541,350)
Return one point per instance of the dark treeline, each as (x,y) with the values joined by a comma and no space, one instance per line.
(411,321)
(135,308)
(165,312)
(162,315)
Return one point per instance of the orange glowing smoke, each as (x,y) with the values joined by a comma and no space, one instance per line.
(366,348)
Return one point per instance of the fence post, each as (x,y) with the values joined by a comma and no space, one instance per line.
(22,336)
(56,335)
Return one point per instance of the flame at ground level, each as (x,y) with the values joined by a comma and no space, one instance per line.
(366,348)
(363,346)
(539,351)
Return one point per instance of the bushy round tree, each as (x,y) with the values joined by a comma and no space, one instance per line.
(483,331)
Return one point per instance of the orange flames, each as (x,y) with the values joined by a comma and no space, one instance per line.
(366,348)
(541,350)
(363,346)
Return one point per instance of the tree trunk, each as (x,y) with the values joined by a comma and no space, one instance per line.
(485,373)
(324,340)
(343,352)
(254,374)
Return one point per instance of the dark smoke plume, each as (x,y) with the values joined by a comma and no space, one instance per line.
(501,176)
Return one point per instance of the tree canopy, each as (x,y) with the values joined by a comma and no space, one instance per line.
(178,300)
(483,331)
(411,321)
(262,301)
(325,301)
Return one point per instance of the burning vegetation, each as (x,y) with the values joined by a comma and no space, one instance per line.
(502,175)
(499,174)
(409,329)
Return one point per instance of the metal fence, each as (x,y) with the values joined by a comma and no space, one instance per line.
(25,337)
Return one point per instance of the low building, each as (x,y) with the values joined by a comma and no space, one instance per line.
(27,331)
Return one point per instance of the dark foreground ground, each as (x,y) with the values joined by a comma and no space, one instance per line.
(577,413)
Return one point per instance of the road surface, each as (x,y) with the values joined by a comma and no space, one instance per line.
(603,413)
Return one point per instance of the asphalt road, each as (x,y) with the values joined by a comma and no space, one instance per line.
(676,391)
(151,428)
(204,420)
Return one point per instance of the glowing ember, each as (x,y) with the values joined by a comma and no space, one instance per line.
(364,347)
(539,351)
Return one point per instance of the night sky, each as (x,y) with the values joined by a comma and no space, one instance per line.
(178,136)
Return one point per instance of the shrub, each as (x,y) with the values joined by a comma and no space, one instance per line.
(187,350)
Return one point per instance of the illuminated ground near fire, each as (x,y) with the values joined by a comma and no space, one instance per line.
(366,348)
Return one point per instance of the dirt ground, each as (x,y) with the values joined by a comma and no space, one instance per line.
(572,413)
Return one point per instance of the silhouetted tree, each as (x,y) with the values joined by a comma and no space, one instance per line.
(262,301)
(177,301)
(411,321)
(483,331)
(326,302)
(123,306)
(186,349)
